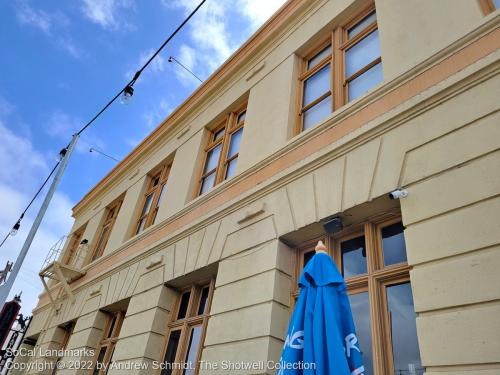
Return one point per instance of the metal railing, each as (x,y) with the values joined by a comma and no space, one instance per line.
(75,260)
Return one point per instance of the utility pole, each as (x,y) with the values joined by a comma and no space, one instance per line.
(65,155)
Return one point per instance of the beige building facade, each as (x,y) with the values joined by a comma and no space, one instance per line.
(189,250)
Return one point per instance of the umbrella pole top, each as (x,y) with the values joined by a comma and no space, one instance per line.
(320,248)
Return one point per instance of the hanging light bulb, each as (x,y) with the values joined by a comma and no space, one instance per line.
(15,228)
(127,94)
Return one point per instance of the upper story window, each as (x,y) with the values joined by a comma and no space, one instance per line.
(73,251)
(221,153)
(186,331)
(489,6)
(372,259)
(108,341)
(152,198)
(110,215)
(340,69)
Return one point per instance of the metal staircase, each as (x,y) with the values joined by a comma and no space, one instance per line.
(63,269)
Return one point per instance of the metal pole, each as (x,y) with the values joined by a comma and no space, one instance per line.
(172,58)
(5,288)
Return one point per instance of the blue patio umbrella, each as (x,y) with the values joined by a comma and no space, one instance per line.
(321,338)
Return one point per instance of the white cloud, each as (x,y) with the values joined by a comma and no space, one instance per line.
(23,169)
(212,34)
(36,18)
(157,66)
(258,11)
(13,173)
(105,12)
(5,107)
(152,118)
(67,44)
(155,115)
(187,57)
(207,29)
(53,25)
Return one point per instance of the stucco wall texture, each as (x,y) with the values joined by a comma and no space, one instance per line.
(432,127)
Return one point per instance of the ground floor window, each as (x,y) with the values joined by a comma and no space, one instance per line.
(372,259)
(108,342)
(186,330)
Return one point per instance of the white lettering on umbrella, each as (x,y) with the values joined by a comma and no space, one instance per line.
(350,343)
(295,340)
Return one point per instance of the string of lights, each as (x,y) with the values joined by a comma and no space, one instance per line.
(128,91)
(126,94)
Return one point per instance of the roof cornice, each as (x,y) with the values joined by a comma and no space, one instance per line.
(235,61)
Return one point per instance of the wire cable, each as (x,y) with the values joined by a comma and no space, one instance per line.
(138,73)
(106,106)
(32,200)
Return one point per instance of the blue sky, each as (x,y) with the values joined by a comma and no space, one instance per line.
(64,61)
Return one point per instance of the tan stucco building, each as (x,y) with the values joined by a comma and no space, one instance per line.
(195,240)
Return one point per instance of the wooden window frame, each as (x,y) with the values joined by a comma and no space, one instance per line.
(375,281)
(108,223)
(71,253)
(186,324)
(68,331)
(149,217)
(230,126)
(340,43)
(487,6)
(109,340)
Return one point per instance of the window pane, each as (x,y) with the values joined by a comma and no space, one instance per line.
(315,114)
(318,57)
(241,117)
(155,180)
(101,243)
(140,227)
(212,159)
(231,168)
(362,53)
(162,190)
(316,85)
(111,213)
(353,257)
(393,244)
(169,360)
(192,351)
(365,82)
(203,300)
(147,204)
(308,256)
(110,359)
(234,146)
(403,330)
(361,25)
(100,358)
(208,183)
(360,307)
(218,134)
(183,305)
(111,326)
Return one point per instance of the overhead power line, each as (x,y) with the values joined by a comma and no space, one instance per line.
(137,74)
(127,89)
(17,225)
(127,92)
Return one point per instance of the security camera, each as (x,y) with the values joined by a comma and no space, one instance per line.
(333,225)
(398,193)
